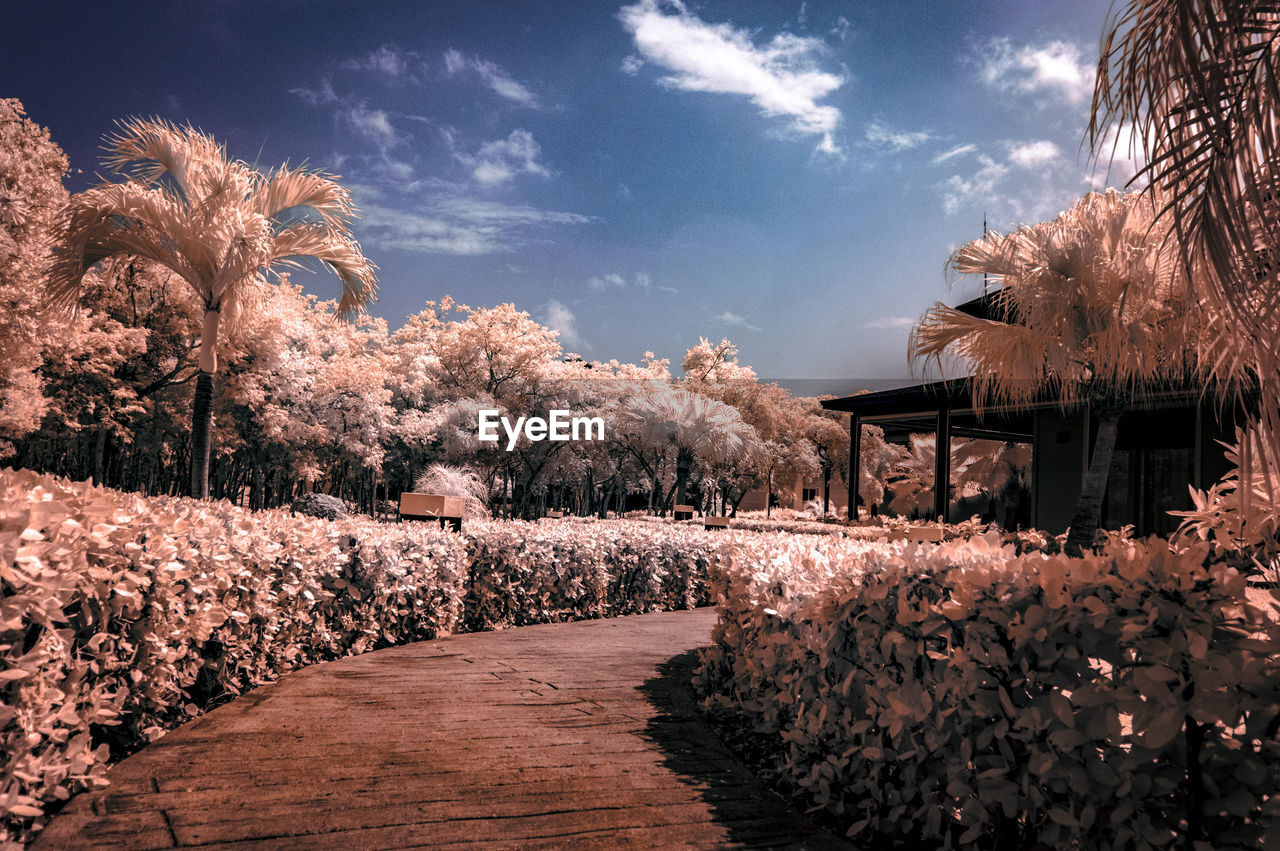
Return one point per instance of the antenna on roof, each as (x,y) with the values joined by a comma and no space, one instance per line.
(984,234)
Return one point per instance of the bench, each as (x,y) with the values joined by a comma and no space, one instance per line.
(683,512)
(715,522)
(447,510)
(926,534)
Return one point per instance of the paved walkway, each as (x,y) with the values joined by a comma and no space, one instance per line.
(581,734)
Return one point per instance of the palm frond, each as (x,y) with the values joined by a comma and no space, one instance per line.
(1092,305)
(338,252)
(112,221)
(287,189)
(1199,80)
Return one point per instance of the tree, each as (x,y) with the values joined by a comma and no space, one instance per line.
(1196,82)
(696,426)
(828,431)
(217,223)
(1096,314)
(31,196)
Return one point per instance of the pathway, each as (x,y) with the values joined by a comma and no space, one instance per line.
(580,734)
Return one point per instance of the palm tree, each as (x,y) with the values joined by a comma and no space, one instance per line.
(219,224)
(1096,314)
(698,428)
(1198,82)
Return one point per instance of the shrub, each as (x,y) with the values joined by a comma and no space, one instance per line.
(964,695)
(121,616)
(319,505)
(524,573)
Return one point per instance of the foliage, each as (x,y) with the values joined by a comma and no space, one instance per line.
(962,695)
(319,505)
(1240,521)
(123,616)
(1193,86)
(217,223)
(1092,309)
(31,196)
(524,573)
(455,481)
(981,470)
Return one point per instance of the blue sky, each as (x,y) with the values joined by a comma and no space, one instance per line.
(792,176)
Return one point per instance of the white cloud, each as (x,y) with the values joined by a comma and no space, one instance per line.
(632,64)
(600,283)
(737,319)
(560,318)
(957,151)
(496,214)
(316,97)
(614,281)
(451,225)
(892,322)
(980,186)
(388,60)
(1053,67)
(501,160)
(780,77)
(882,136)
(1119,157)
(493,76)
(373,124)
(1034,154)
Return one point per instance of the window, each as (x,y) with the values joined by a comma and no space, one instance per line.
(808,494)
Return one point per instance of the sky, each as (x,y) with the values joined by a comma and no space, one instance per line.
(791,176)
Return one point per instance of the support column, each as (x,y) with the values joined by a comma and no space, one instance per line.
(855,463)
(942,465)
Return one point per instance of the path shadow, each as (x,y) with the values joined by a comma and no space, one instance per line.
(753,815)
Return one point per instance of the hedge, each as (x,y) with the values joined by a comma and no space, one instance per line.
(122,616)
(964,695)
(524,573)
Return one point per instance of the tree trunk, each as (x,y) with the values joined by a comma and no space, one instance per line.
(202,412)
(684,461)
(1088,513)
(99,454)
(201,424)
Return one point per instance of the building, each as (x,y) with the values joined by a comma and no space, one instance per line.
(1167,441)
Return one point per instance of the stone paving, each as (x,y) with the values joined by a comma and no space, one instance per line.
(581,735)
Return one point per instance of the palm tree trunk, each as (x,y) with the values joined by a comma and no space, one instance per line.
(202,412)
(1088,513)
(99,455)
(684,462)
(826,490)
(201,423)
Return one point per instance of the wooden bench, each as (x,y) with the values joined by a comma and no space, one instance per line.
(715,522)
(683,512)
(448,510)
(554,515)
(926,534)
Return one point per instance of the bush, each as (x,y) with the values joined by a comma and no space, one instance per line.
(524,573)
(963,695)
(319,505)
(120,617)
